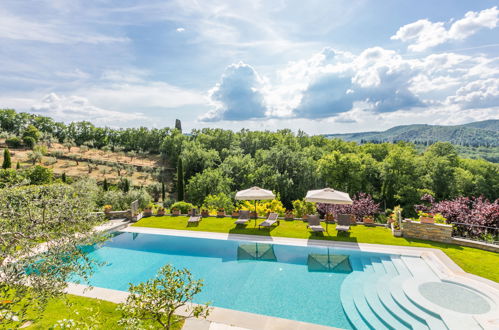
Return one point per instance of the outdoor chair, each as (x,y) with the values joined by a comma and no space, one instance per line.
(272,218)
(343,222)
(314,223)
(244,217)
(194,218)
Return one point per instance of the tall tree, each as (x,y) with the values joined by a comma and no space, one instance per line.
(178,125)
(180,180)
(7,162)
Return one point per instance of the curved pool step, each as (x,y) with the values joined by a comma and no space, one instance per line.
(348,304)
(399,296)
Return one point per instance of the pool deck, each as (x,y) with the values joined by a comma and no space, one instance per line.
(221,318)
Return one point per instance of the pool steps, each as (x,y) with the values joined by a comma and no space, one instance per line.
(382,303)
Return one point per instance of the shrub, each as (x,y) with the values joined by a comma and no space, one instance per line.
(29,142)
(215,202)
(184,207)
(39,175)
(301,207)
(14,142)
(50,161)
(363,205)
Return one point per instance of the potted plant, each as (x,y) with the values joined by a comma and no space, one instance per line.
(368,220)
(305,217)
(396,230)
(329,217)
(221,212)
(426,217)
(205,213)
(161,211)
(175,211)
(108,208)
(148,210)
(235,213)
(289,215)
(253,215)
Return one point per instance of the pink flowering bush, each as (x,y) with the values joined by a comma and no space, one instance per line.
(363,205)
(470,214)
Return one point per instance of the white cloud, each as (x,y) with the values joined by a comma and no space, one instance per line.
(77,108)
(424,34)
(180,29)
(477,94)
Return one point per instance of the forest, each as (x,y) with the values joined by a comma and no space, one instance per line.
(221,162)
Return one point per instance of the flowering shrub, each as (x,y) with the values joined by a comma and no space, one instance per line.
(475,212)
(363,205)
(264,207)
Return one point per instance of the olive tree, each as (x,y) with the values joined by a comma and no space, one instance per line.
(42,230)
(159,298)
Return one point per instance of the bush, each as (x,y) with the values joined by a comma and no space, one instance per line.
(219,201)
(363,205)
(262,208)
(29,142)
(39,175)
(121,201)
(14,142)
(50,161)
(301,208)
(184,207)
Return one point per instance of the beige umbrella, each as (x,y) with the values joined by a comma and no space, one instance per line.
(328,196)
(254,194)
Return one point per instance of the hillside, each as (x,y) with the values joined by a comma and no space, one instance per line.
(484,133)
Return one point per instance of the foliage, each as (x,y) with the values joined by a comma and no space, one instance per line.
(14,142)
(121,201)
(155,190)
(264,207)
(363,205)
(159,298)
(184,207)
(39,175)
(180,180)
(52,214)
(219,201)
(7,162)
(209,182)
(301,208)
(29,142)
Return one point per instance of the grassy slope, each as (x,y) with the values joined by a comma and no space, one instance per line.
(102,314)
(475,261)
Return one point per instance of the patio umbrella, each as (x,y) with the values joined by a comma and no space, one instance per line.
(328,196)
(254,194)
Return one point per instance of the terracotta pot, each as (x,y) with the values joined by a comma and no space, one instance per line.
(176,212)
(289,216)
(305,217)
(369,220)
(235,214)
(221,214)
(329,217)
(147,212)
(426,219)
(205,213)
(161,212)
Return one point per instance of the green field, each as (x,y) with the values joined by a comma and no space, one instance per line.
(474,261)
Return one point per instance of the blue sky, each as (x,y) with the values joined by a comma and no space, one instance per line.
(320,66)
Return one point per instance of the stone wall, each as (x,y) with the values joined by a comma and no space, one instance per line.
(476,244)
(427,231)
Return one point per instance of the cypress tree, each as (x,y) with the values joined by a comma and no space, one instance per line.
(7,162)
(105,186)
(163,193)
(178,125)
(18,166)
(63,177)
(180,180)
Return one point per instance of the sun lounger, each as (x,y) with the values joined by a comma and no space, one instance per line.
(272,218)
(314,223)
(344,221)
(244,217)
(194,218)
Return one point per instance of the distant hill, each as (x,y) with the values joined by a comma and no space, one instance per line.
(476,134)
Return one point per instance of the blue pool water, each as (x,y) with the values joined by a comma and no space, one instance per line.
(298,283)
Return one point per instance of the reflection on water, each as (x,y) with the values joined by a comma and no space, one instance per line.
(334,263)
(256,251)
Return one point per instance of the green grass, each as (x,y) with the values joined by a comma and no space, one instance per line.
(474,261)
(99,313)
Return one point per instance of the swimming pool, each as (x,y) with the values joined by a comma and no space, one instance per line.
(344,288)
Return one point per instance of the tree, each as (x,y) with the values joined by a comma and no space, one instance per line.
(18,166)
(215,202)
(163,191)
(180,180)
(40,175)
(132,154)
(105,185)
(159,298)
(209,182)
(63,177)
(7,162)
(35,156)
(29,142)
(33,214)
(178,125)
(69,144)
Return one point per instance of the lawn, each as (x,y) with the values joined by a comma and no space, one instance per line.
(98,313)
(474,261)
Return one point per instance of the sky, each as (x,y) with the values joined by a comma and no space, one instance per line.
(319,66)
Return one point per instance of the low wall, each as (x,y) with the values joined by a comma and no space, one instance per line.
(119,215)
(476,244)
(428,231)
